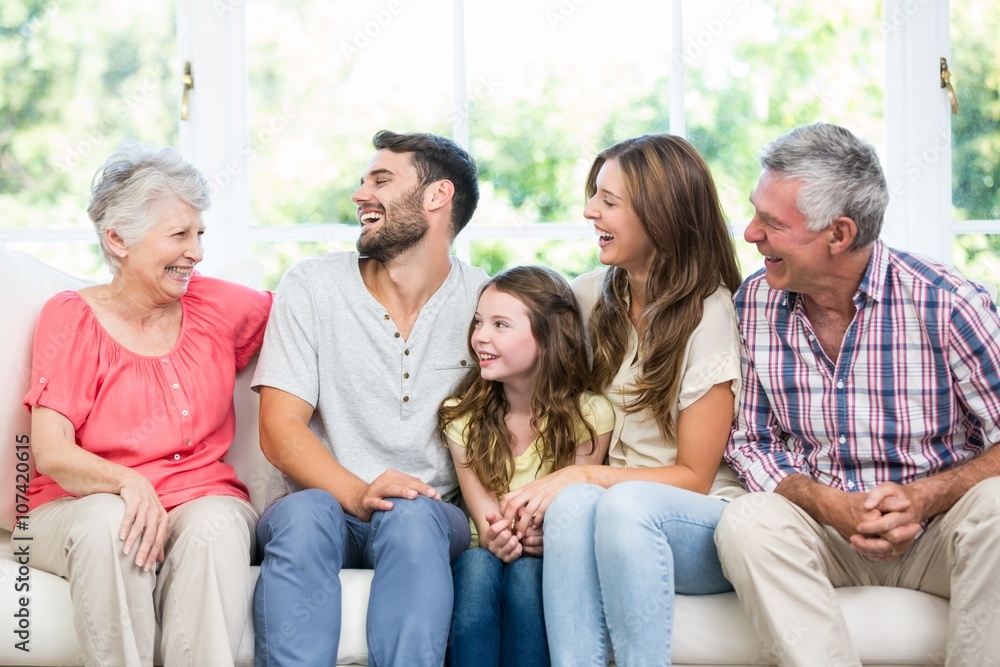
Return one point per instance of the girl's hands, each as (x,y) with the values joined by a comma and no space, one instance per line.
(500,539)
(531,543)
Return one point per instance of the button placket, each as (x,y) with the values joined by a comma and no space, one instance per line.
(181,403)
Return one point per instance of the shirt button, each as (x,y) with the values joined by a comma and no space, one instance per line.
(164,361)
(406,376)
(406,399)
(395,335)
(387,316)
(406,352)
(41,380)
(177,457)
(184,412)
(188,443)
(464,362)
(840,384)
(843,439)
(850,484)
(175,386)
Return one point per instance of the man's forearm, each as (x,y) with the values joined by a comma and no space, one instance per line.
(938,493)
(296,451)
(808,494)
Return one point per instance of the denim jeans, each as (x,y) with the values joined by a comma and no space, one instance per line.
(614,559)
(498,612)
(306,539)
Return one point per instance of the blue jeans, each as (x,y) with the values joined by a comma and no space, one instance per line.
(306,539)
(614,559)
(498,612)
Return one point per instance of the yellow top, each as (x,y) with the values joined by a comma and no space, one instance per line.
(529,466)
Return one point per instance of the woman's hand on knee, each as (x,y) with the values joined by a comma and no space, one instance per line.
(146,523)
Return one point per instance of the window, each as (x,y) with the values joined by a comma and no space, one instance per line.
(975,145)
(76,79)
(288,95)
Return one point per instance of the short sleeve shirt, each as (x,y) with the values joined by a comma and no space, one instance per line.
(711,356)
(529,466)
(169,417)
(376,394)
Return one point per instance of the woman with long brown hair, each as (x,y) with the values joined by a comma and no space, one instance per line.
(621,539)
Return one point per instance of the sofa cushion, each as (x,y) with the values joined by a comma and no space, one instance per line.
(27,285)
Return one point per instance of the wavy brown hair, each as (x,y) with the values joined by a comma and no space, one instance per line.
(669,187)
(561,376)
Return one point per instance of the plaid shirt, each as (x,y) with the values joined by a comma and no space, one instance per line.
(916,389)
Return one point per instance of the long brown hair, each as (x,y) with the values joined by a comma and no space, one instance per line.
(669,187)
(561,376)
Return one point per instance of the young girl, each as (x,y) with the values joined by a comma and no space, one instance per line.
(522,414)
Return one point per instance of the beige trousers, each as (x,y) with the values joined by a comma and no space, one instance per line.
(785,567)
(200,595)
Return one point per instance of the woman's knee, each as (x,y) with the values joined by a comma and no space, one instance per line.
(97,526)
(571,514)
(214,524)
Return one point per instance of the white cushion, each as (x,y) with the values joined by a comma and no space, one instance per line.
(25,285)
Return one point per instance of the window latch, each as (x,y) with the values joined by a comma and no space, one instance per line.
(188,80)
(946,83)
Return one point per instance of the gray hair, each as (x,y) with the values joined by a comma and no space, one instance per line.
(124,188)
(841,176)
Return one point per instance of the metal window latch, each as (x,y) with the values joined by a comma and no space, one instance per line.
(946,83)
(188,80)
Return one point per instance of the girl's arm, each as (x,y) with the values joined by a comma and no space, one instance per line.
(495,532)
(702,433)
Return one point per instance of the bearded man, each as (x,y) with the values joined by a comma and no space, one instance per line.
(360,350)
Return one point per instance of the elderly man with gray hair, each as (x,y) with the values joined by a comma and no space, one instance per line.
(869,414)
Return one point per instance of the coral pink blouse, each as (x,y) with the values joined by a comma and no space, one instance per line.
(169,417)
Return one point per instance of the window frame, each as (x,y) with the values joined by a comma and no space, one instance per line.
(918,163)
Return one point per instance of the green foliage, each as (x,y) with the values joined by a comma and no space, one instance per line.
(71,89)
(76,78)
(527,153)
(975,67)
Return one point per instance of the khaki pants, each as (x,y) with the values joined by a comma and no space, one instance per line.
(200,595)
(785,567)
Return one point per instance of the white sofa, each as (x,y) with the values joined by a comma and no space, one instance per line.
(889,626)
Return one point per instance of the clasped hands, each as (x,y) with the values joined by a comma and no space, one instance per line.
(883,523)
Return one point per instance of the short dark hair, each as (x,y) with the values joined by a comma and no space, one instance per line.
(435,159)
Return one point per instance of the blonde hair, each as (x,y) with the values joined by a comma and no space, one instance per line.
(668,185)
(560,379)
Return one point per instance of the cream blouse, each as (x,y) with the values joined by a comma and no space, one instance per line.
(711,356)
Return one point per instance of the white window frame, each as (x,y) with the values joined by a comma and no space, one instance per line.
(212,36)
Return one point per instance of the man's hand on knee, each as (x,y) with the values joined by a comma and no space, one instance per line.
(390,484)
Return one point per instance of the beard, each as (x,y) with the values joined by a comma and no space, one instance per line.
(403,226)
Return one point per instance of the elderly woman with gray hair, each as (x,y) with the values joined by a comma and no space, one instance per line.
(132,414)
